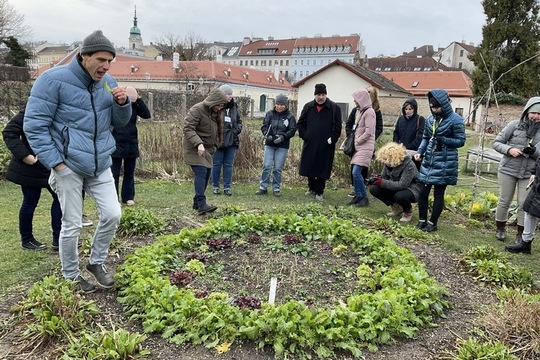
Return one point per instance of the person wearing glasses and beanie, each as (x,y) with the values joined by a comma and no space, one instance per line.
(225,153)
(278,128)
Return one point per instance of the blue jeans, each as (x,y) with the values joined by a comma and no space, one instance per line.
(358,181)
(202,175)
(128,182)
(273,157)
(69,187)
(31,197)
(223,158)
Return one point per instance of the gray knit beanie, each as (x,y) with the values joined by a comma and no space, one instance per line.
(95,42)
(226,89)
(281,99)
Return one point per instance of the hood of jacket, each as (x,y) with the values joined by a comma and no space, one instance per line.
(216,97)
(362,98)
(413,103)
(444,99)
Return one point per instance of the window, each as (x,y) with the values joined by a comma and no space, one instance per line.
(262,103)
(415,84)
(301,74)
(241,62)
(459,111)
(307,62)
(461,53)
(286,62)
(295,62)
(301,62)
(460,65)
(280,62)
(256,62)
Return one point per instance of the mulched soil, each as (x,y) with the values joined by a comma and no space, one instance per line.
(466,296)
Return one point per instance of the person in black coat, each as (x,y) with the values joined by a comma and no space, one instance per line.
(127,148)
(319,126)
(25,170)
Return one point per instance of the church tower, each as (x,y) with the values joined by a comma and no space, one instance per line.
(136,46)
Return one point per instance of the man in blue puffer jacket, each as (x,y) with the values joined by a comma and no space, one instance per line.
(444,133)
(67,123)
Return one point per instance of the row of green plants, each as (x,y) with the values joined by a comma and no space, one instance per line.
(398,297)
(55,316)
(509,328)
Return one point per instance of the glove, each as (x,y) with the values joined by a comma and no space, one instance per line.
(529,150)
(373,179)
(378,181)
(329,141)
(269,138)
(279,139)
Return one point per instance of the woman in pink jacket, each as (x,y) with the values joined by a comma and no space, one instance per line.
(364,144)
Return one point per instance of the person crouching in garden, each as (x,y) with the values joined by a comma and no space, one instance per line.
(531,210)
(364,145)
(278,128)
(202,136)
(397,186)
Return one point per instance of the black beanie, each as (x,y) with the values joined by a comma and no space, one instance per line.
(433,102)
(320,89)
(96,42)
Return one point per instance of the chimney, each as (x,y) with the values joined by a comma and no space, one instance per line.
(176,60)
(276,71)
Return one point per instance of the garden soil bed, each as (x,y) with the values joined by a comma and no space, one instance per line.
(466,296)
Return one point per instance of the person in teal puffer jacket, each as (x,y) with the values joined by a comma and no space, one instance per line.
(444,133)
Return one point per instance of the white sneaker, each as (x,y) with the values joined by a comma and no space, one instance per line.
(309,192)
(319,197)
(395,210)
(407,217)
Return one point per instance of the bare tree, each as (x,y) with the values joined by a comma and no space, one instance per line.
(191,48)
(12,22)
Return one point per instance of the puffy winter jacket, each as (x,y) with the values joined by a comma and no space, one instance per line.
(441,139)
(519,134)
(68,119)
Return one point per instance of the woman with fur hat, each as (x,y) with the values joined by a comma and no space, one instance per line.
(519,143)
(397,186)
(225,153)
(278,128)
(443,134)
(364,144)
(202,136)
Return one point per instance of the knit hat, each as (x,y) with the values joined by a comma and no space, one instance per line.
(433,102)
(95,42)
(226,89)
(534,108)
(281,99)
(132,93)
(320,89)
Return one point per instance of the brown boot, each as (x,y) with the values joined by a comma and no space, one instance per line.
(519,234)
(501,230)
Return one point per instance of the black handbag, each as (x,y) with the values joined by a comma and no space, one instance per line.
(348,145)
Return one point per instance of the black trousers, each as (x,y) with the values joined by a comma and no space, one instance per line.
(316,185)
(404,198)
(438,202)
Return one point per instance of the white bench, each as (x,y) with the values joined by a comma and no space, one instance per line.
(487,156)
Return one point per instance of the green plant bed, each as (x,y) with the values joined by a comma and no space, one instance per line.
(169,286)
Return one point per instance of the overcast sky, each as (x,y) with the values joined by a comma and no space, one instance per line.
(388,27)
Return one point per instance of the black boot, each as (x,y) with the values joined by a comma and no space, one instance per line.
(353,201)
(522,247)
(519,234)
(203,209)
(501,230)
